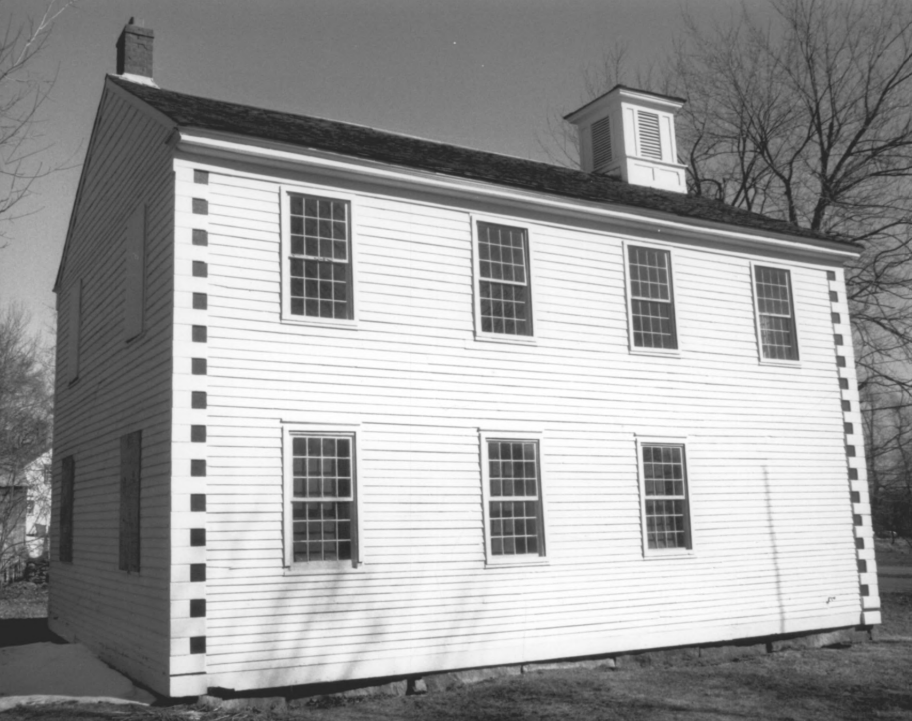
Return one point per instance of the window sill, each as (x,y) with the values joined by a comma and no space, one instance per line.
(517,563)
(669,553)
(318,323)
(657,352)
(322,567)
(526,340)
(780,363)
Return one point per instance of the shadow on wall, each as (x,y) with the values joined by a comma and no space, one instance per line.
(774,546)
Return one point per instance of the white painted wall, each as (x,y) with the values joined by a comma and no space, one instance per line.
(772,520)
(121,387)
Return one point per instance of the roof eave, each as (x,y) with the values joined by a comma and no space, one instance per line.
(220,143)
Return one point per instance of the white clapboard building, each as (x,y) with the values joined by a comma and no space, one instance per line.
(340,404)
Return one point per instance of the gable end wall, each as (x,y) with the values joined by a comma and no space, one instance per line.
(122,387)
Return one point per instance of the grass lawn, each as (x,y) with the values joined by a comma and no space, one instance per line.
(865,681)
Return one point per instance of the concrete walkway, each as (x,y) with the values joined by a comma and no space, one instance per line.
(53,672)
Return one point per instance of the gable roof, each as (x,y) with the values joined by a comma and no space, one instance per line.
(189,111)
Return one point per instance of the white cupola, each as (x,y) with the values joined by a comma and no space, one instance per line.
(631,134)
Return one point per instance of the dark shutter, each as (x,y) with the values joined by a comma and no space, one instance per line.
(130,471)
(67,480)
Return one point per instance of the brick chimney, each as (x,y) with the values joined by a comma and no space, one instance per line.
(134,51)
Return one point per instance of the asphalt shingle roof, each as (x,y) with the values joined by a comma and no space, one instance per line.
(358,141)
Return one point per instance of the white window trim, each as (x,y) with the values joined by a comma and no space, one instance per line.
(757,329)
(285,191)
(480,335)
(637,350)
(672,440)
(290,431)
(492,561)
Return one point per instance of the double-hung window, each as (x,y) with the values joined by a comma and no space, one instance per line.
(652,311)
(514,519)
(318,280)
(504,280)
(321,492)
(666,511)
(775,314)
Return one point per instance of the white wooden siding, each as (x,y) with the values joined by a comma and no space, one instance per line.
(772,522)
(121,387)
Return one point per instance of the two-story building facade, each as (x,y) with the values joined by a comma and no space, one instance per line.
(337,404)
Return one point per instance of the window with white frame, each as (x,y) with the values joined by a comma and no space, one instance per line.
(322,490)
(666,513)
(319,258)
(512,478)
(652,312)
(504,283)
(775,313)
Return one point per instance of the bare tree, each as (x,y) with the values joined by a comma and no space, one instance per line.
(808,118)
(22,92)
(26,417)
(888,434)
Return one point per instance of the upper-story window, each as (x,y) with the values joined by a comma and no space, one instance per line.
(775,313)
(504,281)
(318,262)
(652,311)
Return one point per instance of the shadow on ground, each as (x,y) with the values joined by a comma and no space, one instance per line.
(21,631)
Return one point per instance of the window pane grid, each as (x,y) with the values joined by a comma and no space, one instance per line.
(504,280)
(515,514)
(322,498)
(775,311)
(652,310)
(664,484)
(319,261)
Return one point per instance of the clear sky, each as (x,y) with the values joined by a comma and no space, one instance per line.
(486,74)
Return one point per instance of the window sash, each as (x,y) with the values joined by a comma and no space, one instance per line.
(775,313)
(319,257)
(515,523)
(323,512)
(666,509)
(504,284)
(652,312)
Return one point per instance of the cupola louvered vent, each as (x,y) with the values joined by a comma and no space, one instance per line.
(601,143)
(650,140)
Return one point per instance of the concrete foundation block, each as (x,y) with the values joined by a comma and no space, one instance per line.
(262,703)
(664,657)
(814,640)
(453,679)
(393,688)
(730,652)
(565,665)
